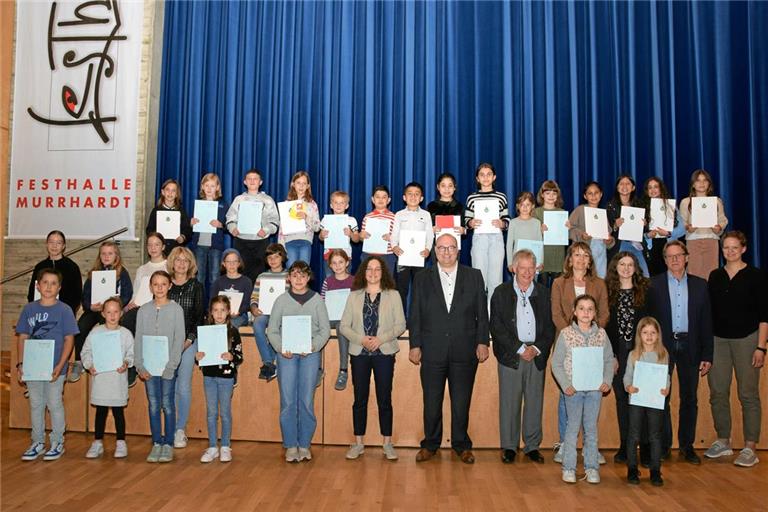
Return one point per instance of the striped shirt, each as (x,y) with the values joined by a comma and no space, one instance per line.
(330,283)
(469,212)
(268,274)
(382,214)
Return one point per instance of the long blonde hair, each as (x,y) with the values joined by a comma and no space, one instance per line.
(661,351)
(117,266)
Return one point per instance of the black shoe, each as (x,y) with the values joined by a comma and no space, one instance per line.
(271,373)
(535,456)
(621,456)
(656,478)
(690,456)
(633,475)
(132,374)
(263,372)
(508,456)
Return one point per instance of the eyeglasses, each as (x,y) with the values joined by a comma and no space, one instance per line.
(446,248)
(183,260)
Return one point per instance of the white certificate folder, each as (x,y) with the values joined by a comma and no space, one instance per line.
(297,334)
(212,339)
(587,368)
(38,360)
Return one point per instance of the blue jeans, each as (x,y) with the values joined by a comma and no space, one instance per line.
(184,386)
(239,320)
(44,394)
(599,257)
(627,246)
(160,395)
(488,257)
(218,402)
(208,267)
(266,351)
(562,417)
(296,378)
(298,250)
(583,409)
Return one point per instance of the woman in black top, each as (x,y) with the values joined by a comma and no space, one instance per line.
(740,325)
(72,280)
(627,289)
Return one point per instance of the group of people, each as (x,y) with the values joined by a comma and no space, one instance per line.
(690,315)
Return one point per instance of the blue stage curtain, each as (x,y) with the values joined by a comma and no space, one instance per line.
(367,93)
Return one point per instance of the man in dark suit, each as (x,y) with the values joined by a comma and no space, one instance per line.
(680,303)
(448,329)
(523,333)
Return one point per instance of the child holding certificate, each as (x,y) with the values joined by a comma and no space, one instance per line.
(649,349)
(109,386)
(523,227)
(298,330)
(170,201)
(487,247)
(702,242)
(252,240)
(593,194)
(46,319)
(161,321)
(583,406)
(339,206)
(208,245)
(381,214)
(109,259)
(72,281)
(624,195)
(276,258)
(340,280)
(218,382)
(235,284)
(410,221)
(657,237)
(299,245)
(550,198)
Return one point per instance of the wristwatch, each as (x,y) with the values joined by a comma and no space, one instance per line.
(761,349)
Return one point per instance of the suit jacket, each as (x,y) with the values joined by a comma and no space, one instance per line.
(506,342)
(563,295)
(444,335)
(700,337)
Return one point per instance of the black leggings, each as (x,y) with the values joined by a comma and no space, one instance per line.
(101,421)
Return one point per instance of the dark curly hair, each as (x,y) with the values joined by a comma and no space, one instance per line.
(639,282)
(387,282)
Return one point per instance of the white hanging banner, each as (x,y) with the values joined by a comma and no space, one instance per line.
(75,118)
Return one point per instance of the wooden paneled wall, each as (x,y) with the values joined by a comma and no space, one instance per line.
(256,407)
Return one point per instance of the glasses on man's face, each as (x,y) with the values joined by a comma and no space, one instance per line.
(675,256)
(446,248)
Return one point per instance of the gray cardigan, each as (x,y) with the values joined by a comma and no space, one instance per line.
(285,305)
(391,321)
(167,320)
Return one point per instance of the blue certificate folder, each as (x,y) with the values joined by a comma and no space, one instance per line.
(335,301)
(249,217)
(376,228)
(212,339)
(335,225)
(38,360)
(649,379)
(107,351)
(535,246)
(556,233)
(297,334)
(205,212)
(587,368)
(155,352)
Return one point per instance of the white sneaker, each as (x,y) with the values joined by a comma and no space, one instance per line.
(180,439)
(225,454)
(95,451)
(559,455)
(747,458)
(718,449)
(121,449)
(601,461)
(593,476)
(210,455)
(304,454)
(292,454)
(34,451)
(389,451)
(355,451)
(569,476)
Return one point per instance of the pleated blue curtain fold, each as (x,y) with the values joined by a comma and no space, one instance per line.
(367,93)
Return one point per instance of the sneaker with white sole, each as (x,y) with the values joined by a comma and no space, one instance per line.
(569,476)
(95,451)
(718,449)
(292,454)
(600,460)
(121,449)
(34,451)
(75,370)
(154,455)
(558,455)
(341,380)
(180,439)
(166,453)
(304,454)
(210,455)
(355,451)
(389,451)
(593,476)
(54,452)
(747,458)
(225,454)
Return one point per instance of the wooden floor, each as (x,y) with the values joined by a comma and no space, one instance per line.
(258,479)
